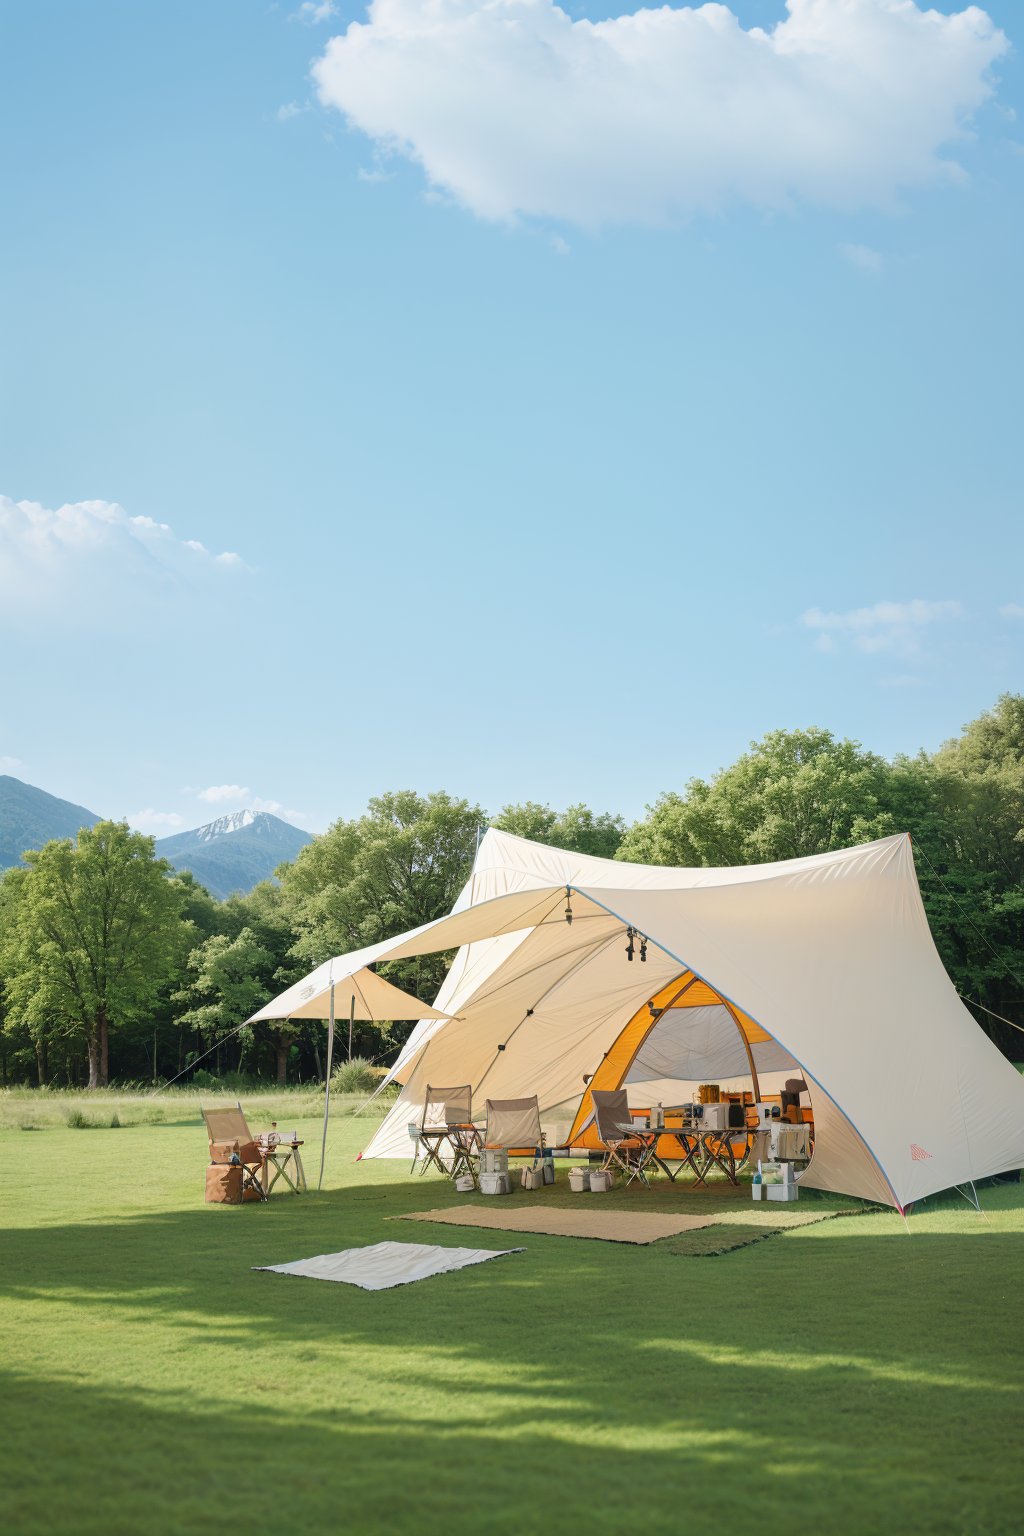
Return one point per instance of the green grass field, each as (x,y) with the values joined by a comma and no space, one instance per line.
(844,1377)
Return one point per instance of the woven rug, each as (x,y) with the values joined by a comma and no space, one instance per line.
(606,1226)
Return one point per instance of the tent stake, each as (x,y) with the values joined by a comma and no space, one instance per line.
(327,1087)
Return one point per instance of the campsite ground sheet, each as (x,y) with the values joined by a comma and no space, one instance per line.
(843,1375)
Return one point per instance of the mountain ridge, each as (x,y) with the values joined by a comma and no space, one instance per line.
(228,855)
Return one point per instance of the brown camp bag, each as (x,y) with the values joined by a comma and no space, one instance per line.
(223,1151)
(224,1184)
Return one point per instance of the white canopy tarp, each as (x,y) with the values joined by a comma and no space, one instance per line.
(831,956)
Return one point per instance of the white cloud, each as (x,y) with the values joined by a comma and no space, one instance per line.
(10,764)
(863,257)
(159,823)
(290,109)
(217,794)
(1012,611)
(514,108)
(888,627)
(313,12)
(44,552)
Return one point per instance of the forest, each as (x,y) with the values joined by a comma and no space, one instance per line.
(116,968)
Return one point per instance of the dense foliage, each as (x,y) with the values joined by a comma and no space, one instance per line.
(111,961)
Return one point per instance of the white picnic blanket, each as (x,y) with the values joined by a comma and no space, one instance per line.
(386,1264)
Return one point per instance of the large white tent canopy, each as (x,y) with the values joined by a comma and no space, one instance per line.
(823,965)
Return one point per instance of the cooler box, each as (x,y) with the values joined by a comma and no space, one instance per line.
(495,1184)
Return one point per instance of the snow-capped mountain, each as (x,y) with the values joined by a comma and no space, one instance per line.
(235,852)
(233,823)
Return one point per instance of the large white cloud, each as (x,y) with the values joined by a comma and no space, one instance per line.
(52,553)
(514,108)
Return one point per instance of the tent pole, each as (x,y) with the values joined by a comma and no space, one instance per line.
(746,1046)
(351,1021)
(327,1086)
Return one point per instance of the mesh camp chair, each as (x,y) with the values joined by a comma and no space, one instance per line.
(446,1123)
(225,1126)
(513,1125)
(621,1150)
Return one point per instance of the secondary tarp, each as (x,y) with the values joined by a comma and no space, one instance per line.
(830,957)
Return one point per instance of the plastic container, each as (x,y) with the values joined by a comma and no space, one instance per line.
(465,1183)
(532,1178)
(600,1183)
(579,1180)
(783,1191)
(549,1171)
(495,1184)
(493,1160)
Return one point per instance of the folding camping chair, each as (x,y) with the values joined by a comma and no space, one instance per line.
(226,1127)
(513,1126)
(611,1119)
(446,1122)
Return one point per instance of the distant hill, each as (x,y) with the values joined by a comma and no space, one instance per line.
(29,817)
(234,853)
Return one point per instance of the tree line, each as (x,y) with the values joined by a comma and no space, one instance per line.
(115,966)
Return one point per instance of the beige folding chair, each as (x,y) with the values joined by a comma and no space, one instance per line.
(228,1125)
(446,1121)
(513,1125)
(611,1121)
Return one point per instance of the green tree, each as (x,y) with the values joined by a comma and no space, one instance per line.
(793,793)
(576,829)
(401,864)
(97,933)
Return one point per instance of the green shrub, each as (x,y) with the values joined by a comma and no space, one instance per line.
(203,1079)
(355,1076)
(115,1123)
(77,1121)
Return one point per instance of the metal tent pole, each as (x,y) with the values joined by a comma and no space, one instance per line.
(351,1021)
(327,1093)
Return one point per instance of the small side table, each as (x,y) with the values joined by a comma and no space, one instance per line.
(282,1156)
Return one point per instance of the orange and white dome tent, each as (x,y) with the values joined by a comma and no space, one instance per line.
(823,967)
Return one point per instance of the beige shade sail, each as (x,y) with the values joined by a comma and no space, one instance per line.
(375,997)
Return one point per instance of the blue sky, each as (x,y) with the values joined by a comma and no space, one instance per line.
(622,415)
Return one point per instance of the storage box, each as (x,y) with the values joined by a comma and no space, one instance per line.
(224,1152)
(495,1184)
(532,1178)
(757,1191)
(788,1191)
(224,1184)
(600,1183)
(715,1117)
(579,1180)
(548,1169)
(465,1183)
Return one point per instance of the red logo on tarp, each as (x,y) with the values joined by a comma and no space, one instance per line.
(918,1153)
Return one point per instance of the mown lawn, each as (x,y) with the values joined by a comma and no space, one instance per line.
(844,1377)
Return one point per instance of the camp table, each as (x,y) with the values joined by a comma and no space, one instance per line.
(461,1141)
(702,1150)
(278,1155)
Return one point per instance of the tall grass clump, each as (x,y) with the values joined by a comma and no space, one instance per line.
(76,1121)
(355,1076)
